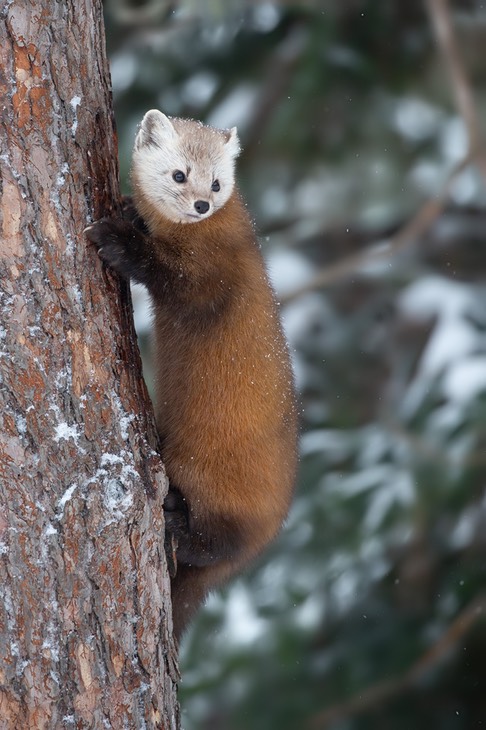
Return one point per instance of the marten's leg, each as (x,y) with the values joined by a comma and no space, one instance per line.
(201,540)
(127,250)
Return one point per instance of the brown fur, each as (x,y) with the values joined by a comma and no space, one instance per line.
(224,391)
(224,394)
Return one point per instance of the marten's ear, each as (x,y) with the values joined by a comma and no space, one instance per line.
(156,129)
(233,142)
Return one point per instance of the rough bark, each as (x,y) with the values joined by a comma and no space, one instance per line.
(85,622)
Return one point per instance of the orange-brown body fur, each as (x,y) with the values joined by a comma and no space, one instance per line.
(225,403)
(224,396)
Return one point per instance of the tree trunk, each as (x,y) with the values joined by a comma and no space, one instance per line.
(85,619)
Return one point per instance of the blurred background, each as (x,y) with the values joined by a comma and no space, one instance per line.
(362,166)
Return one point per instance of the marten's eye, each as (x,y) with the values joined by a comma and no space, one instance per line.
(178,176)
(215,187)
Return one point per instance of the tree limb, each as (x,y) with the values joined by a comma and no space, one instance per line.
(441,21)
(381,251)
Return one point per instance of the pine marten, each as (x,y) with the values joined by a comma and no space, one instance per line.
(225,405)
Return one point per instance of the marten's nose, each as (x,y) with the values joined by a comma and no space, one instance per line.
(202,206)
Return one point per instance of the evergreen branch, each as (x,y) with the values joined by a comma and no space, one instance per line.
(382,692)
(382,250)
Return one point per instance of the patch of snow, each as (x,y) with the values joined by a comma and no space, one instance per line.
(200,88)
(123,70)
(452,339)
(450,359)
(74,289)
(463,532)
(242,624)
(345,587)
(116,499)
(142,308)
(309,615)
(434,296)
(21,424)
(66,497)
(335,443)
(108,458)
(400,489)
(63,380)
(288,270)
(65,432)
(466,380)
(125,421)
(417,119)
(237,105)
(75,102)
(454,140)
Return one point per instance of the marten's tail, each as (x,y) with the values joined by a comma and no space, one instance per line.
(189,589)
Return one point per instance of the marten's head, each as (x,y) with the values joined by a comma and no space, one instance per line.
(183,169)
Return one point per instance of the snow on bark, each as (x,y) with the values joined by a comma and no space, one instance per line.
(85,624)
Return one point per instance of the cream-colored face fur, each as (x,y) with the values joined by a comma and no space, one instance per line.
(178,165)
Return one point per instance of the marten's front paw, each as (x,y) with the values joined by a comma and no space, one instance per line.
(111,236)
